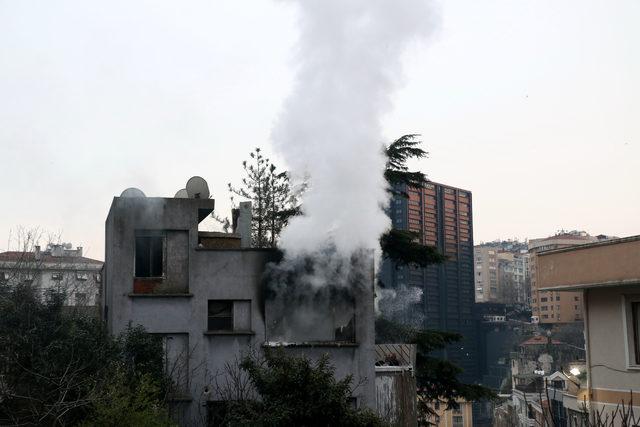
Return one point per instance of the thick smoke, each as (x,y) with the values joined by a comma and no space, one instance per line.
(348,59)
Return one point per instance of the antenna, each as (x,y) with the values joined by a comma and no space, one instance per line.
(197,188)
(182,194)
(132,192)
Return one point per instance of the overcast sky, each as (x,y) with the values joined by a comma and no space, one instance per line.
(531,105)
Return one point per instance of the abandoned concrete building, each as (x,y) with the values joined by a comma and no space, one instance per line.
(203,292)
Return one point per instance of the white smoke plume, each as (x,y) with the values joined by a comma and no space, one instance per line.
(349,63)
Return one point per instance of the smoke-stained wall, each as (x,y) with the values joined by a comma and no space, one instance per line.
(236,276)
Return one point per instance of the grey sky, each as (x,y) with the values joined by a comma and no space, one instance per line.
(532,105)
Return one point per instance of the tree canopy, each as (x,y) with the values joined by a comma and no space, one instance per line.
(273,199)
(294,390)
(59,366)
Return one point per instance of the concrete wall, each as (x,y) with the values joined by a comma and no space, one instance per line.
(610,261)
(606,342)
(210,274)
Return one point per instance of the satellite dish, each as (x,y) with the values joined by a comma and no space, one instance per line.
(182,194)
(197,188)
(68,246)
(132,192)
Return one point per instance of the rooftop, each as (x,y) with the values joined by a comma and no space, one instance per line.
(15,256)
(607,263)
(540,340)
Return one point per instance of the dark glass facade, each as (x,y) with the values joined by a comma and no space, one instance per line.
(441,296)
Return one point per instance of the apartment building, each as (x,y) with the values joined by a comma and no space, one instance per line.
(442,296)
(501,273)
(607,275)
(550,307)
(58,267)
(486,273)
(207,295)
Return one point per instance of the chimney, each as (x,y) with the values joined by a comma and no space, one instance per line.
(37,254)
(79,251)
(241,218)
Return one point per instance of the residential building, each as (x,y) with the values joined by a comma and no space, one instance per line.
(549,307)
(486,273)
(57,267)
(208,297)
(501,272)
(440,296)
(607,274)
(462,416)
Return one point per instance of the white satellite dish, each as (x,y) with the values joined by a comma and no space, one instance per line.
(197,188)
(182,194)
(132,192)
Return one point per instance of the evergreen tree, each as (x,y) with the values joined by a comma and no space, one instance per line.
(296,391)
(273,199)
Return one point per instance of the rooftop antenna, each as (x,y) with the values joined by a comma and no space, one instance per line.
(132,192)
(197,188)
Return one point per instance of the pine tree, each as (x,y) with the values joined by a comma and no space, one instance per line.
(273,198)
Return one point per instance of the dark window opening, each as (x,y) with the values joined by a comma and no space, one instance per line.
(220,315)
(217,411)
(82,299)
(149,256)
(635,314)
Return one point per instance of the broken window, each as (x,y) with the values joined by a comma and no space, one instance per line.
(149,254)
(229,315)
(220,315)
(312,320)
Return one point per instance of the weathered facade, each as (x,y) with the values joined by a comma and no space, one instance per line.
(57,267)
(203,292)
(608,275)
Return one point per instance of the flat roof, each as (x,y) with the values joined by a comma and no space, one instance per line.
(590,245)
(581,286)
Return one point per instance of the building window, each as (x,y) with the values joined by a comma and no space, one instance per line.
(458,421)
(81,299)
(576,298)
(557,297)
(56,276)
(176,363)
(229,316)
(543,299)
(82,276)
(544,308)
(632,317)
(635,309)
(220,315)
(149,255)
